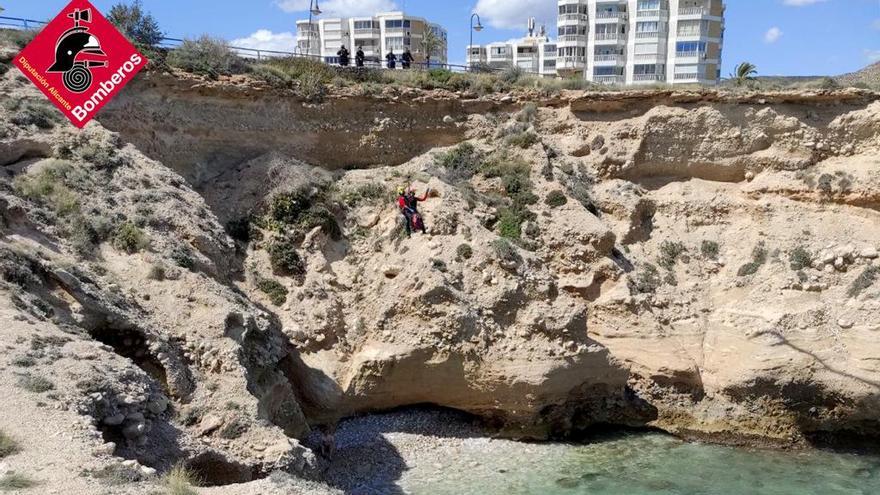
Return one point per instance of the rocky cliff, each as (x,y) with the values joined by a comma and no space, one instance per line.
(213,269)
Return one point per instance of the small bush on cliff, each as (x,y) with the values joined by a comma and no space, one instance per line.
(799,258)
(523,140)
(555,199)
(8,446)
(36,384)
(31,113)
(460,163)
(368,193)
(179,481)
(13,482)
(273,76)
(505,251)
(646,280)
(759,258)
(670,252)
(285,260)
(865,280)
(464,252)
(18,37)
(130,238)
(277,293)
(206,56)
(709,250)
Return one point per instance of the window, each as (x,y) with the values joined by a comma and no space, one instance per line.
(397,24)
(647,27)
(567,30)
(648,69)
(605,71)
(366,24)
(691,46)
(649,4)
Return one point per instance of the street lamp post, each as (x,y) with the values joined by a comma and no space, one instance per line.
(477,28)
(314,11)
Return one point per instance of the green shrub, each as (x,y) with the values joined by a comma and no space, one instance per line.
(130,238)
(31,113)
(206,56)
(799,258)
(510,223)
(460,163)
(179,480)
(311,87)
(865,280)
(710,250)
(182,257)
(759,258)
(277,293)
(138,26)
(528,113)
(4,68)
(233,429)
(285,260)
(17,37)
(555,199)
(464,252)
(8,445)
(48,187)
(647,280)
(505,251)
(670,251)
(36,384)
(287,208)
(523,140)
(83,236)
(13,482)
(298,67)
(511,75)
(157,272)
(368,193)
(318,216)
(273,76)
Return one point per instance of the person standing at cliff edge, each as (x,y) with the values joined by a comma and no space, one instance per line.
(343,56)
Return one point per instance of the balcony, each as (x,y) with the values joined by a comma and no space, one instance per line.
(611,17)
(648,78)
(572,38)
(608,79)
(649,57)
(610,38)
(687,76)
(693,56)
(571,62)
(652,14)
(569,18)
(693,12)
(605,59)
(693,33)
(366,33)
(649,35)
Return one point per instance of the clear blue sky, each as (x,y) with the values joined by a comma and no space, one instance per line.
(782,37)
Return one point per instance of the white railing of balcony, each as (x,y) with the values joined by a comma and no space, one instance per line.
(646,35)
(608,57)
(693,11)
(649,56)
(574,17)
(608,79)
(572,38)
(571,60)
(652,13)
(611,16)
(609,36)
(693,32)
(648,77)
(686,76)
(690,54)
(366,31)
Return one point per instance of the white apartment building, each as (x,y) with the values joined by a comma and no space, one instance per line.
(535,53)
(621,42)
(377,35)
(641,41)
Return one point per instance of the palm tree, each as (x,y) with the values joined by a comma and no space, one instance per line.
(744,73)
(430,42)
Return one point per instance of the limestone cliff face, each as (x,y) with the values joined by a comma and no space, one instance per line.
(702,263)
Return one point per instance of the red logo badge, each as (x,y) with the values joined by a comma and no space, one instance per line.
(80,61)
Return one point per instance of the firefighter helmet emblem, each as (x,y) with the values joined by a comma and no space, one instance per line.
(72,53)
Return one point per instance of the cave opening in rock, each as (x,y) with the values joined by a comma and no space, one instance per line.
(132,344)
(212,469)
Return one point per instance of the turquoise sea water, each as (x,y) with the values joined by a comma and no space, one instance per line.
(639,464)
